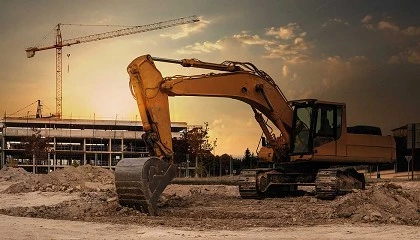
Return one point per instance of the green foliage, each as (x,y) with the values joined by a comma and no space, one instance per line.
(193,142)
(12,163)
(36,145)
(249,160)
(75,163)
(200,170)
(198,140)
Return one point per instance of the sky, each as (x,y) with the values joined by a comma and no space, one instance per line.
(362,53)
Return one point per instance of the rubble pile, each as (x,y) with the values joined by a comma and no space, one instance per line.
(13,174)
(94,198)
(68,179)
(381,203)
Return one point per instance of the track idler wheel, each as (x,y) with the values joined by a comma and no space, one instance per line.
(140,181)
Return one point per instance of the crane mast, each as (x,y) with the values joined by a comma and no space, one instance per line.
(60,43)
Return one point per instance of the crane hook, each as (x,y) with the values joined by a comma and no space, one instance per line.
(68,62)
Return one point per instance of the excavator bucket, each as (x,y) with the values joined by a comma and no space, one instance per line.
(140,181)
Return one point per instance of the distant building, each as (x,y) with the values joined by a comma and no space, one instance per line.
(73,141)
(404,137)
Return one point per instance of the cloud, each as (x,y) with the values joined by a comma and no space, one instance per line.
(187,29)
(285,71)
(410,55)
(251,122)
(218,124)
(413,55)
(291,52)
(396,59)
(388,26)
(287,32)
(411,31)
(251,40)
(366,22)
(205,47)
(358,59)
(367,19)
(335,21)
(288,44)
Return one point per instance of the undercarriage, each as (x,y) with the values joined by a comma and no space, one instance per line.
(285,180)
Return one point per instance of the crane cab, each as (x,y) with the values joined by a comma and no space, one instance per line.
(320,134)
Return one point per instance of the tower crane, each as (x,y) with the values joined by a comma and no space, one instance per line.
(60,43)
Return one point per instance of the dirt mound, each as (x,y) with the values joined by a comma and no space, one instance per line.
(68,179)
(176,195)
(89,205)
(13,174)
(382,203)
(212,206)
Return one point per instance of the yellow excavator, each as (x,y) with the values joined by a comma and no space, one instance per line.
(315,146)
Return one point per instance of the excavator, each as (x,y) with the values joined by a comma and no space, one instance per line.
(314,148)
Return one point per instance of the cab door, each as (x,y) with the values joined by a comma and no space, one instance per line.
(326,130)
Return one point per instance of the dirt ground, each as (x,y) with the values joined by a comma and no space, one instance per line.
(81,203)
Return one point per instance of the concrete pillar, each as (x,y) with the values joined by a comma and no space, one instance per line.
(2,161)
(33,164)
(109,153)
(196,166)
(84,151)
(54,161)
(55,154)
(122,148)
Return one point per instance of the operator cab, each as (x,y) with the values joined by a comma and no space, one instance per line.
(315,123)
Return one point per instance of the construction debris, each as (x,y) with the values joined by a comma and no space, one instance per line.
(206,206)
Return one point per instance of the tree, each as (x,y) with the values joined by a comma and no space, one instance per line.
(198,140)
(194,142)
(249,160)
(36,147)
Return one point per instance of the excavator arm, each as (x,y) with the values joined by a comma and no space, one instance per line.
(240,81)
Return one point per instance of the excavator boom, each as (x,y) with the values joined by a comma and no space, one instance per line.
(240,81)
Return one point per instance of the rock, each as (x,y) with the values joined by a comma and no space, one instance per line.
(375,216)
(112,199)
(78,187)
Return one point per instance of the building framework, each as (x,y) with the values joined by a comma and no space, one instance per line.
(407,138)
(73,142)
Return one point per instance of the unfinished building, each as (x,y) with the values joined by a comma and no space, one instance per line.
(71,142)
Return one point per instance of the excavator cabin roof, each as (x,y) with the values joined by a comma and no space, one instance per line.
(311,101)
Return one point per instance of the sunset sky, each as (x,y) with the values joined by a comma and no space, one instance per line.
(363,53)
